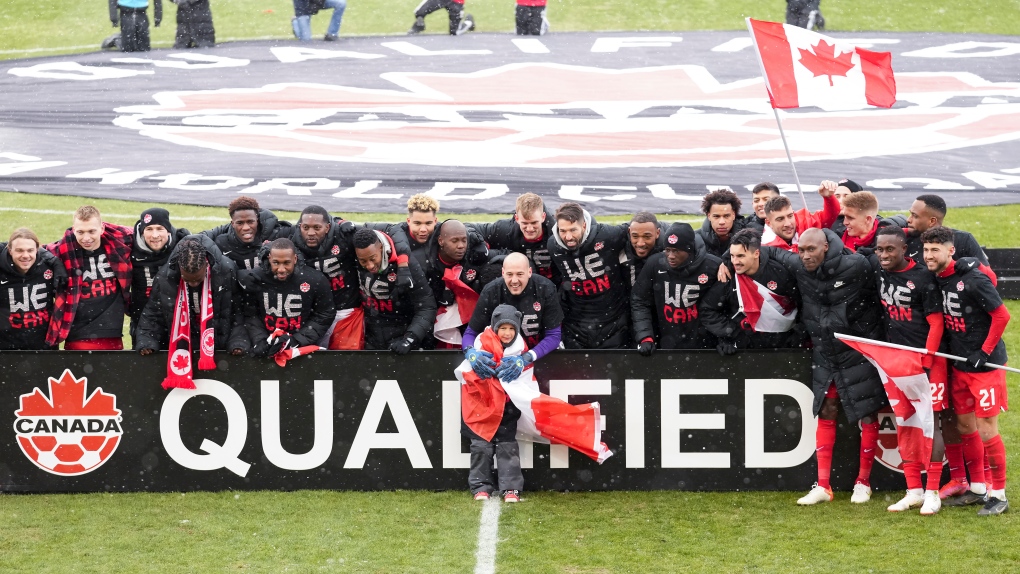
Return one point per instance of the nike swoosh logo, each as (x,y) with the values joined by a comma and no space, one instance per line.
(913,255)
(4,282)
(662,271)
(867,450)
(227,252)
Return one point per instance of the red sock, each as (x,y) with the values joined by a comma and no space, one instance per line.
(825,439)
(974,455)
(954,456)
(912,472)
(869,442)
(995,452)
(935,474)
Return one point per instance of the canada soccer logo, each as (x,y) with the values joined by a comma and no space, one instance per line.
(702,278)
(888,454)
(208,341)
(391,277)
(68,433)
(672,239)
(335,250)
(772,285)
(537,306)
(910,285)
(48,274)
(959,286)
(305,287)
(470,274)
(599,245)
(147,218)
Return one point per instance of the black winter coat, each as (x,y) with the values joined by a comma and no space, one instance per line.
(716,246)
(145,265)
(246,255)
(391,313)
(335,258)
(840,296)
(156,321)
(506,234)
(26,301)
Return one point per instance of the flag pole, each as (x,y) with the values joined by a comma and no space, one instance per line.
(918,350)
(782,134)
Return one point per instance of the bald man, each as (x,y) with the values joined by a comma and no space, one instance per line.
(536,297)
(455,280)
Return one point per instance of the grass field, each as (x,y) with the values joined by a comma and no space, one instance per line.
(436,532)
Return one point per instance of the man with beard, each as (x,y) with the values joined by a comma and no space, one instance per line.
(913,317)
(784,225)
(975,319)
(195,260)
(533,295)
(669,295)
(838,295)
(250,227)
(455,282)
(155,240)
(929,211)
(772,290)
(722,220)
(281,295)
(527,232)
(644,234)
(587,254)
(396,318)
(97,258)
(327,244)
(31,277)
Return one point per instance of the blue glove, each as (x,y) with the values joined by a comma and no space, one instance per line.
(510,367)
(481,363)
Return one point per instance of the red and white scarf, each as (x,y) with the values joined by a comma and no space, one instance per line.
(178,366)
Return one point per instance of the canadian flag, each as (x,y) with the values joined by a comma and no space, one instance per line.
(909,394)
(765,311)
(803,68)
(450,318)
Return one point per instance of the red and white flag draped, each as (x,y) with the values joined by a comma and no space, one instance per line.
(765,311)
(179,373)
(804,68)
(284,355)
(544,419)
(909,393)
(450,318)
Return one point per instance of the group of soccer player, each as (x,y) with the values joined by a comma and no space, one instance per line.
(776,278)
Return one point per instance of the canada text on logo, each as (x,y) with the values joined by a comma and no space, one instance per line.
(68,433)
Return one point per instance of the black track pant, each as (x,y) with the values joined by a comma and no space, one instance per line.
(798,12)
(194,25)
(134,30)
(455,10)
(531,21)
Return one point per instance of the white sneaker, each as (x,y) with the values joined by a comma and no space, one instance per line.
(815,495)
(932,503)
(862,494)
(913,499)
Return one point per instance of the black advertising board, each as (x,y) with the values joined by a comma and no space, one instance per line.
(93,422)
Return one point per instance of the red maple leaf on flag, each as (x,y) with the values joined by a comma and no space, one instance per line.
(181,362)
(824,62)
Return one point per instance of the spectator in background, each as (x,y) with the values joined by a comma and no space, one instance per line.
(134,24)
(530,17)
(805,14)
(460,22)
(249,228)
(194,25)
(155,240)
(305,9)
(31,279)
(97,259)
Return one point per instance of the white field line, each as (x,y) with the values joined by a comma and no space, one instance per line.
(114,215)
(488,536)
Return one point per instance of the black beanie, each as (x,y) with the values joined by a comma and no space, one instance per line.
(681,236)
(155,216)
(506,314)
(850,184)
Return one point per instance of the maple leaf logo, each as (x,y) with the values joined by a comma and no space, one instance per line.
(180,364)
(824,62)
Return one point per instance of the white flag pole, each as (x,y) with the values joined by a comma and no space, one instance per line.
(918,350)
(782,133)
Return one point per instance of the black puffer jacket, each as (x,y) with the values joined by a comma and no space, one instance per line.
(156,321)
(246,255)
(26,301)
(716,246)
(840,296)
(145,265)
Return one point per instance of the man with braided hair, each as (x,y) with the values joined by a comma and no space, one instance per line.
(280,295)
(194,261)
(250,227)
(396,318)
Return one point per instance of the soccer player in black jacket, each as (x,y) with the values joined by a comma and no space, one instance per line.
(667,300)
(249,229)
(281,294)
(913,317)
(587,255)
(722,220)
(155,240)
(975,319)
(527,232)
(929,211)
(396,318)
(30,277)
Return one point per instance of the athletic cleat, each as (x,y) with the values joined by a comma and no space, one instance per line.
(966,499)
(994,507)
(418,27)
(932,503)
(511,496)
(330,38)
(815,495)
(913,499)
(482,495)
(953,488)
(862,493)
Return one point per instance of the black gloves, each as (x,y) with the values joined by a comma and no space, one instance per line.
(402,346)
(404,282)
(646,348)
(260,349)
(977,359)
(726,347)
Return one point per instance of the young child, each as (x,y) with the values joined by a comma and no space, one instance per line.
(489,418)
